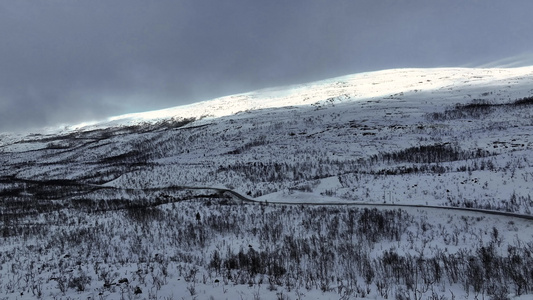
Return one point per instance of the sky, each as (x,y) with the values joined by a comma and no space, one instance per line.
(73,61)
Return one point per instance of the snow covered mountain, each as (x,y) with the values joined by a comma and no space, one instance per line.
(451,137)
(452,84)
(314,133)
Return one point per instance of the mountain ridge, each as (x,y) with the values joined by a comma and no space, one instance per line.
(359,86)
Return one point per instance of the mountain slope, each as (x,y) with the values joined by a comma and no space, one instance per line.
(110,196)
(454,84)
(350,129)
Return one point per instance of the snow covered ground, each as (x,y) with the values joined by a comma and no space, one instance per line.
(441,137)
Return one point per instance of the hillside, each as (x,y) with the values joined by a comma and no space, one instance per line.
(113,196)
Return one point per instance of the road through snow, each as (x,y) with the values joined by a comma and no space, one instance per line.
(377,205)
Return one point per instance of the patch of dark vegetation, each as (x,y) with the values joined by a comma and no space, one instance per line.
(174,123)
(425,168)
(103,174)
(428,154)
(523,101)
(21,197)
(474,110)
(143,213)
(130,157)
(58,146)
(260,141)
(477,109)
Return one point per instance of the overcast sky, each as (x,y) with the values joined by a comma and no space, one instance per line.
(68,61)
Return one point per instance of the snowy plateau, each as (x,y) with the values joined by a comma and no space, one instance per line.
(397,184)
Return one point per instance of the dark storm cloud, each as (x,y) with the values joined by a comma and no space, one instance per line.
(65,61)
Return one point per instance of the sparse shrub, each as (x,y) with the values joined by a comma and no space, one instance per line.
(80,282)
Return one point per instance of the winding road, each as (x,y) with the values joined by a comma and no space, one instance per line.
(384,205)
(242,198)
